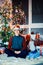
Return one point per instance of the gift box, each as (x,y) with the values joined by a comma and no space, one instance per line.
(2,50)
(40,49)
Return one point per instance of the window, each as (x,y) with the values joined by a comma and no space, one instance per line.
(37,11)
(37,30)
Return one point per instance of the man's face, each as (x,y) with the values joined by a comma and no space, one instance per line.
(16,32)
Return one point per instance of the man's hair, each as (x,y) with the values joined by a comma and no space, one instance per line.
(16,27)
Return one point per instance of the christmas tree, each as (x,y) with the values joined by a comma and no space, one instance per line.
(5,11)
(18,17)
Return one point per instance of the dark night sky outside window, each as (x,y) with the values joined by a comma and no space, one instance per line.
(37,11)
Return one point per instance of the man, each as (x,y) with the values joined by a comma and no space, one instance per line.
(17,46)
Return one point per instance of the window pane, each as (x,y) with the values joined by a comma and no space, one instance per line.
(37,11)
(23,5)
(37,30)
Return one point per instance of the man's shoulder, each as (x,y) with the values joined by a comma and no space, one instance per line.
(22,37)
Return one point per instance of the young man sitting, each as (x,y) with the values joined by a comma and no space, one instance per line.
(17,46)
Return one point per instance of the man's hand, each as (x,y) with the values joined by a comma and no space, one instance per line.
(17,52)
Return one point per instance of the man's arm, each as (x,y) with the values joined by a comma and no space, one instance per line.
(10,43)
(24,44)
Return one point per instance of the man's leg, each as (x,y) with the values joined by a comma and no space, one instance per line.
(9,52)
(23,54)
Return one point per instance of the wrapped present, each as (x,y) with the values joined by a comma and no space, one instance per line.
(40,49)
(2,50)
(33,55)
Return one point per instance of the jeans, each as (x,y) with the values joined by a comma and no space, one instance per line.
(23,53)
